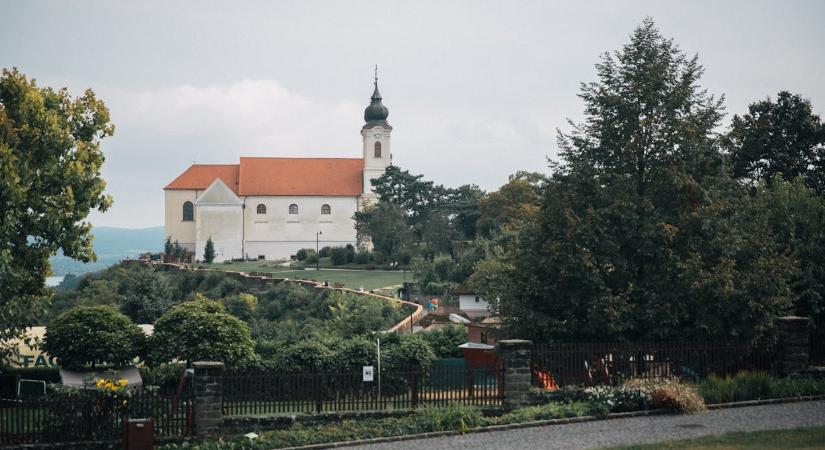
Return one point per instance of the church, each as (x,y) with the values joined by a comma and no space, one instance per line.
(271,207)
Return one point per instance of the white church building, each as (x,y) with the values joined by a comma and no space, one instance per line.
(269,208)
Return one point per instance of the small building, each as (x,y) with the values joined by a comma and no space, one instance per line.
(484,332)
(471,303)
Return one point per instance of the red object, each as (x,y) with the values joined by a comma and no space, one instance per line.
(138,434)
(545,380)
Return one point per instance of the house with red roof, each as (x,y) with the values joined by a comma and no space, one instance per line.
(269,208)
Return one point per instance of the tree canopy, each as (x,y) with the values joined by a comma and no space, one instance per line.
(93,335)
(782,137)
(50,163)
(642,234)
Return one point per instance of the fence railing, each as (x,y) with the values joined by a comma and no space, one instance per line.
(610,363)
(817,348)
(269,392)
(91,416)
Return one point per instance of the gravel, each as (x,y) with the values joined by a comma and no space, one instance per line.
(629,431)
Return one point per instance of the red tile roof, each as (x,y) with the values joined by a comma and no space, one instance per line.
(280,176)
(301,176)
(200,176)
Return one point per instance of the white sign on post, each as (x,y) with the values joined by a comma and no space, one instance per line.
(368,373)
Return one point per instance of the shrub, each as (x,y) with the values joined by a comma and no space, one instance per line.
(445,342)
(201,330)
(93,335)
(325,251)
(756,385)
(363,258)
(454,417)
(166,375)
(620,399)
(676,396)
(304,253)
(338,256)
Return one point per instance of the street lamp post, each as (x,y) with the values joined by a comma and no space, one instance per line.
(317,251)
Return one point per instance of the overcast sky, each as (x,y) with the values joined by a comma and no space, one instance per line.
(475,89)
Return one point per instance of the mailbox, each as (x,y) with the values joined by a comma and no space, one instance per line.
(138,434)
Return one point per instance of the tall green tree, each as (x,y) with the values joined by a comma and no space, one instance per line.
(50,163)
(782,137)
(641,234)
(385,225)
(209,251)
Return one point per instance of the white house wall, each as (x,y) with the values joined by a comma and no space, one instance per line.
(468,303)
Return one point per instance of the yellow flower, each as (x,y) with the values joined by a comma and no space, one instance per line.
(123,382)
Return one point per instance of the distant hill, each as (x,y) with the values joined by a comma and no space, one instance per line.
(111,245)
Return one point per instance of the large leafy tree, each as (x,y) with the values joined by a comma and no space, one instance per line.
(641,235)
(50,162)
(93,335)
(385,225)
(782,137)
(201,329)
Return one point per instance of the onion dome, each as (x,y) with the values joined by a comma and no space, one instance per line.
(376,111)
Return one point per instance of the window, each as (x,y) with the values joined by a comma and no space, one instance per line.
(261,209)
(478,299)
(188,211)
(326,210)
(261,257)
(293,209)
(377,149)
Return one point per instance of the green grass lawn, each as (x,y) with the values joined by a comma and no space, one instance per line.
(775,439)
(368,279)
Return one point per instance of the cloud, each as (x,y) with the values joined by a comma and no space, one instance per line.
(161,132)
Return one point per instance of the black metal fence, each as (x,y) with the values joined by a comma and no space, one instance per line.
(817,351)
(610,363)
(91,416)
(269,392)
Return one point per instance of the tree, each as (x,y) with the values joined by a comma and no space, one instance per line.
(515,203)
(641,234)
(209,251)
(93,335)
(168,248)
(50,162)
(385,225)
(795,214)
(201,330)
(148,296)
(783,138)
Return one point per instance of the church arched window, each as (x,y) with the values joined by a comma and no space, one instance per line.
(293,209)
(261,209)
(377,149)
(188,211)
(326,210)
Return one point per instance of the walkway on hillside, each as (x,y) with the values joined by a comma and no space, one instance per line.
(636,430)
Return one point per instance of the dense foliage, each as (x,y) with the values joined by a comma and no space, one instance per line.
(200,330)
(93,335)
(50,163)
(644,231)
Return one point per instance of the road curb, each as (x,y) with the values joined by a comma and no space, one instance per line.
(539,423)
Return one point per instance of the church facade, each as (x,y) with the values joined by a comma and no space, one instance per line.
(269,208)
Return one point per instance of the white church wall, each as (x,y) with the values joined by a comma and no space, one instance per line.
(223,224)
(176,228)
(278,234)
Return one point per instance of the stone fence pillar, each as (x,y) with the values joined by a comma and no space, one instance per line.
(516,356)
(794,344)
(208,384)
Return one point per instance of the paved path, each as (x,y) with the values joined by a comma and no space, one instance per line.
(636,430)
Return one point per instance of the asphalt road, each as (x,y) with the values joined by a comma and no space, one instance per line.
(636,430)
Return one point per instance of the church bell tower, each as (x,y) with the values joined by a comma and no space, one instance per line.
(376,137)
